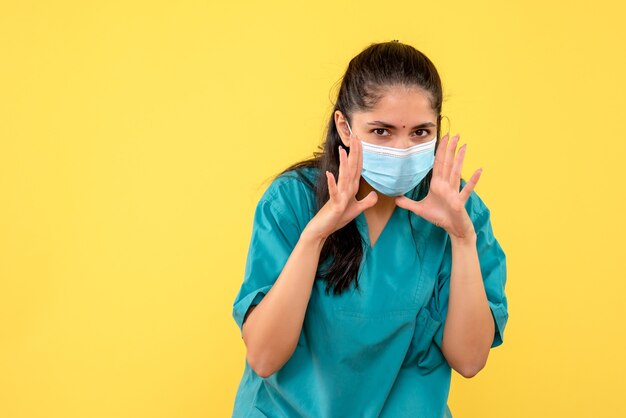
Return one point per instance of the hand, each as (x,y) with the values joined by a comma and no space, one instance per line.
(342,205)
(444,205)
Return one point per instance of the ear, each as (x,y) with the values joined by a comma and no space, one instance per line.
(342,128)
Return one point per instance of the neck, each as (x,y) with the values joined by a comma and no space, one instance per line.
(384,202)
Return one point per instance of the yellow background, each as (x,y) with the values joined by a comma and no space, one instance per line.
(135,138)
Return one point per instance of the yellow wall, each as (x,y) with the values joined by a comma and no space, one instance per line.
(135,138)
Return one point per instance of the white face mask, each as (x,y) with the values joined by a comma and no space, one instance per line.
(395,171)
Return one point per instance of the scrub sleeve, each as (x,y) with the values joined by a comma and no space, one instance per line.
(492,260)
(275,233)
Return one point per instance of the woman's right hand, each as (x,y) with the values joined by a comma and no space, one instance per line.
(342,205)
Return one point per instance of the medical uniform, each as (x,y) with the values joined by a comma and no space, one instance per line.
(374,351)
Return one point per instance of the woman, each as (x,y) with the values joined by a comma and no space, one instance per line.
(372,269)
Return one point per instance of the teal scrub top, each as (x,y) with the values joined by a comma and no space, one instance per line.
(374,351)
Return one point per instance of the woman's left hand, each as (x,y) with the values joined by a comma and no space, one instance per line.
(444,205)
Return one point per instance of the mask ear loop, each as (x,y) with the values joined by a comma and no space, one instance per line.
(449,125)
(350,129)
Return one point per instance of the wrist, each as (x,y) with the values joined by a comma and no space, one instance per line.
(313,237)
(468,238)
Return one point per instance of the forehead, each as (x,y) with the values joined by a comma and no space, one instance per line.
(402,105)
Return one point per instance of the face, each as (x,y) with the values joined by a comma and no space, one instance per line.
(403,117)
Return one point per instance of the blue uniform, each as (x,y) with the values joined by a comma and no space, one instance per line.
(373,351)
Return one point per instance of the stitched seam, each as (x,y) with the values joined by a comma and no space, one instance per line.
(284,217)
(479,216)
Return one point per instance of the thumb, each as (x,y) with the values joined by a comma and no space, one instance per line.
(409,204)
(368,201)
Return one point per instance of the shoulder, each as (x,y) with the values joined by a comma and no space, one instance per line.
(296,180)
(291,195)
(475,205)
(288,186)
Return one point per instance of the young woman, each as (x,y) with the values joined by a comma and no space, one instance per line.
(372,269)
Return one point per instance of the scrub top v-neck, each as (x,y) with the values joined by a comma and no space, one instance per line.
(374,350)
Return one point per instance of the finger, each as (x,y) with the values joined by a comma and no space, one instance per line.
(353,158)
(455,177)
(332,185)
(449,155)
(469,186)
(343,168)
(359,167)
(439,154)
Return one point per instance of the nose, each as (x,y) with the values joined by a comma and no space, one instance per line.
(407,141)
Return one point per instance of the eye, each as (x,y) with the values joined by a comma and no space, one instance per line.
(424,130)
(378,129)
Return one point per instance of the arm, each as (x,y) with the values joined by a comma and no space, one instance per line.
(469,328)
(272,327)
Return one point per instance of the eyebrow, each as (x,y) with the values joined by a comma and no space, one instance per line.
(388,125)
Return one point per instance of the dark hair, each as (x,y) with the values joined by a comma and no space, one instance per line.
(378,66)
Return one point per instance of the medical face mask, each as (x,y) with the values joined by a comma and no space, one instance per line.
(394,171)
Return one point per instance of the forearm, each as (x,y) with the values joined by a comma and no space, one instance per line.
(272,329)
(469,327)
